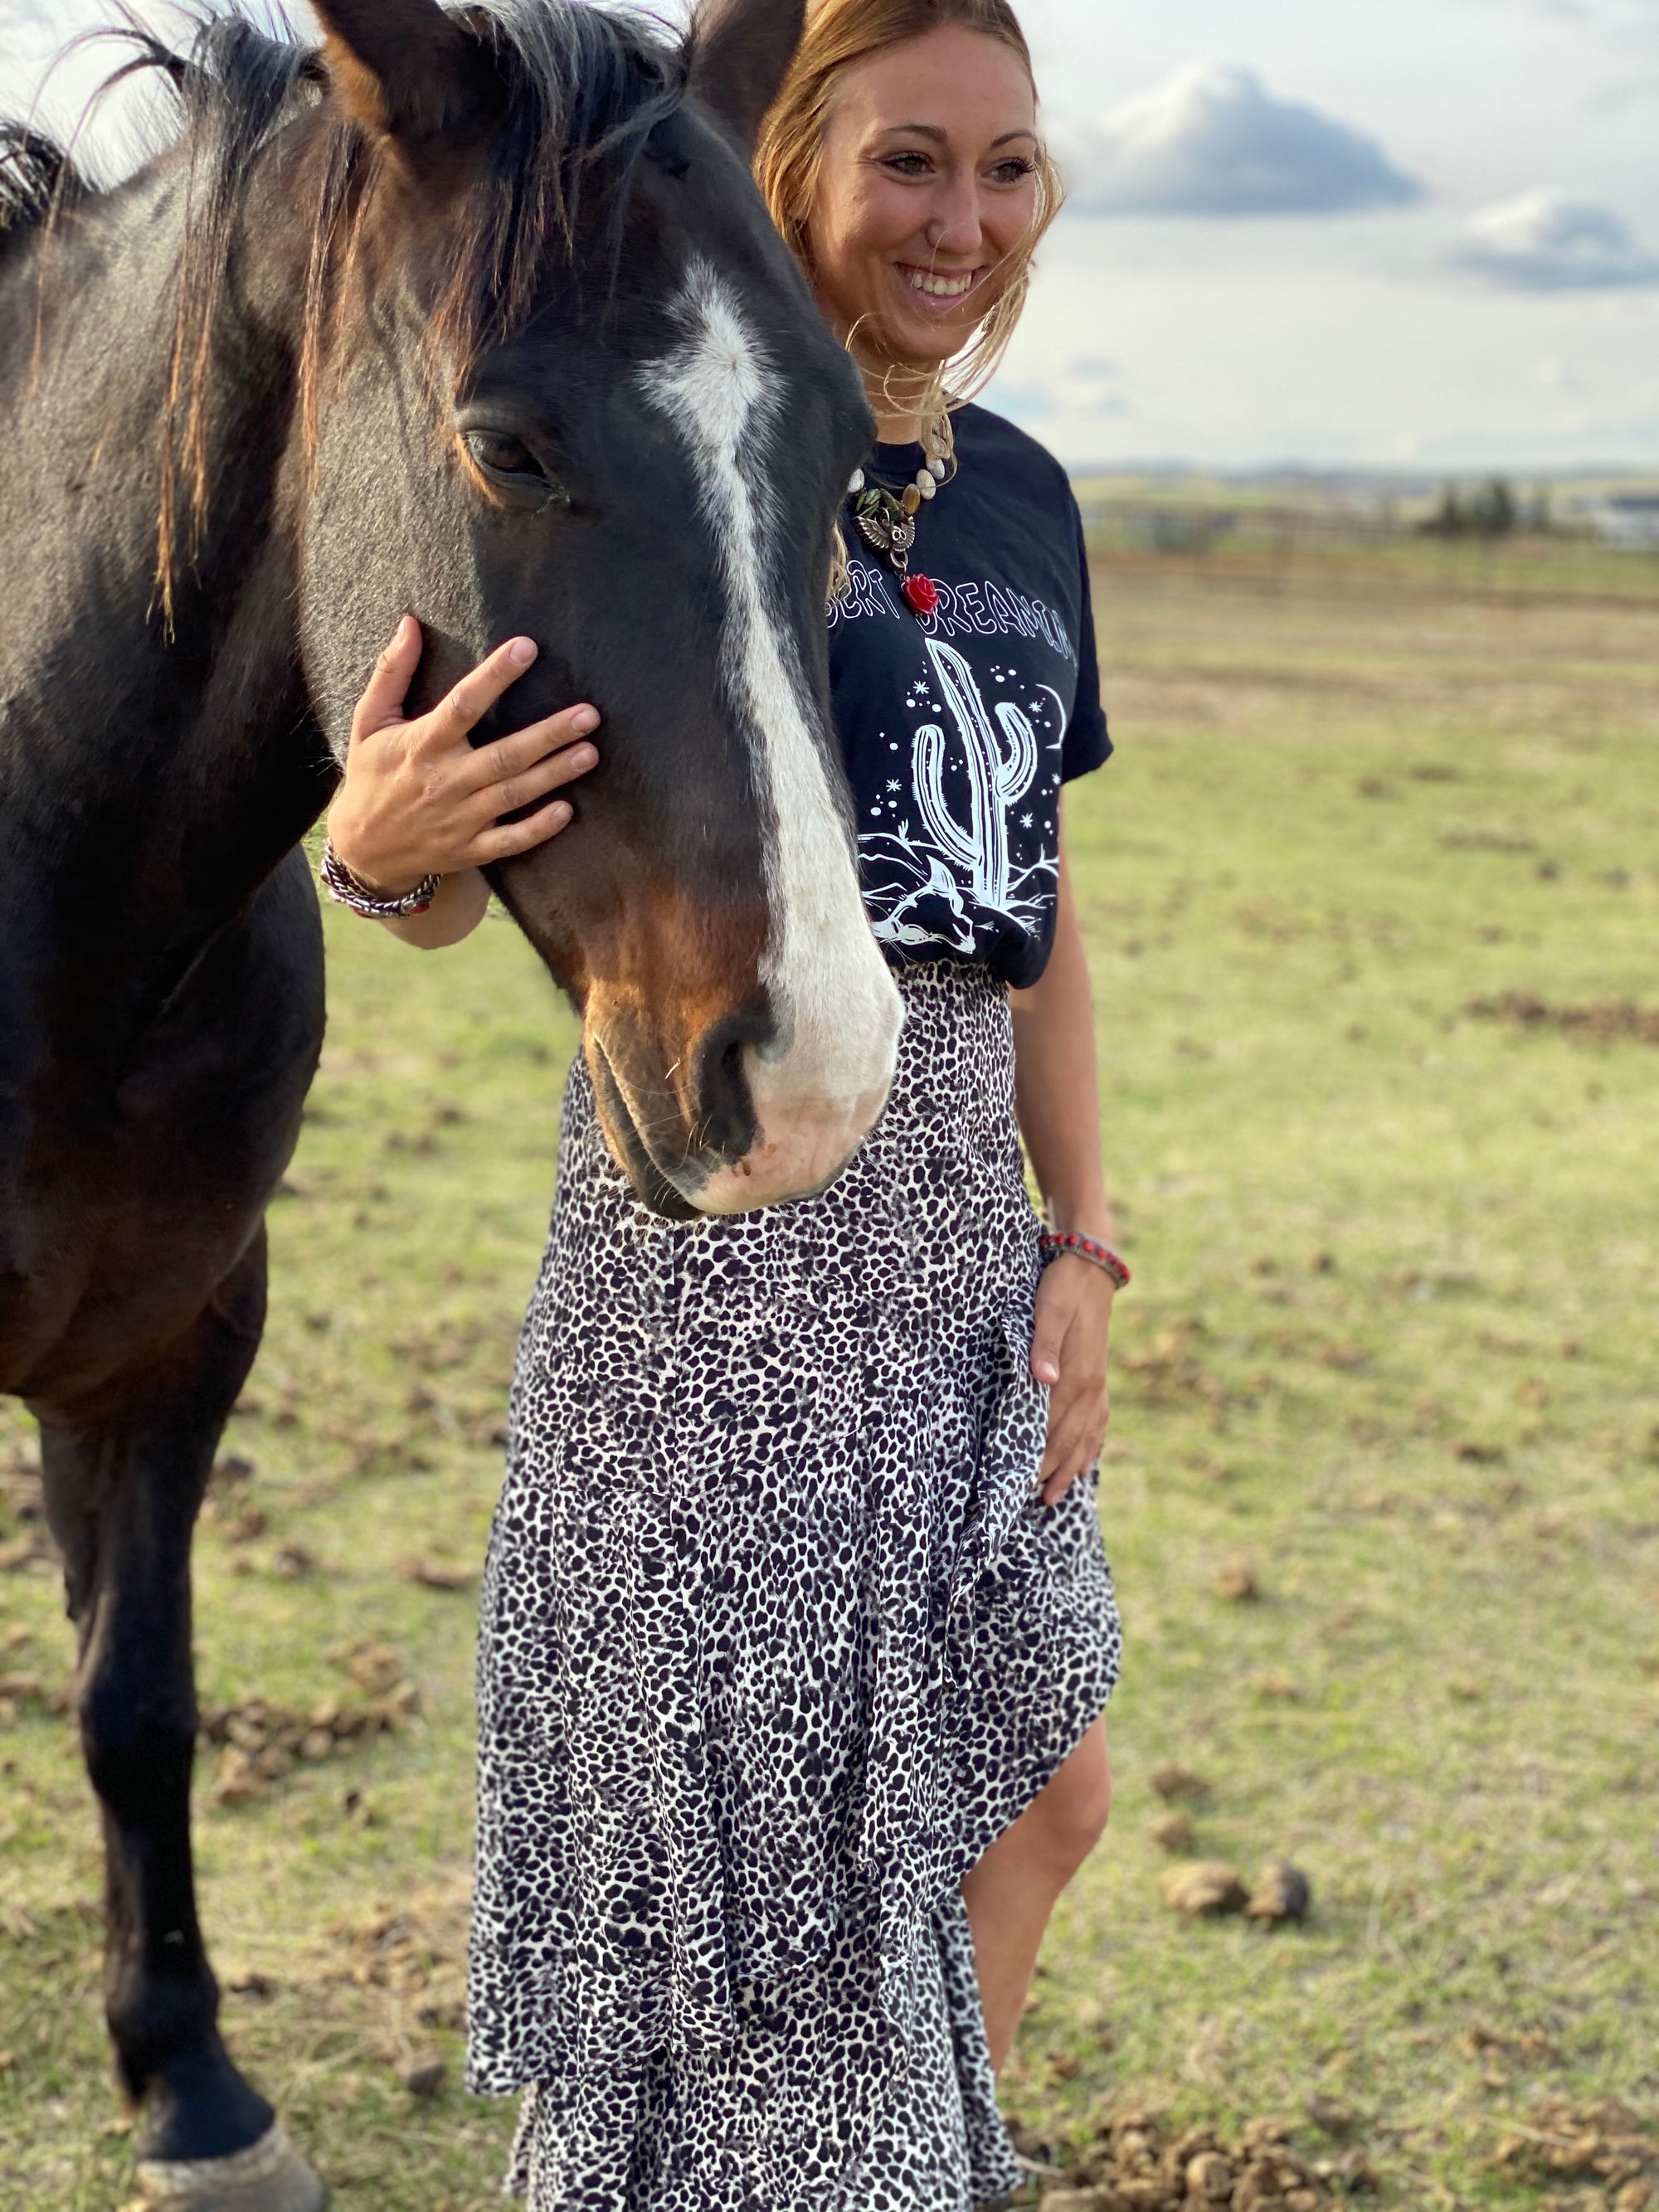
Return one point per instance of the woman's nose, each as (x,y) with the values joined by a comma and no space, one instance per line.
(954,226)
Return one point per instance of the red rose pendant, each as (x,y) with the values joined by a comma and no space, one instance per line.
(920,595)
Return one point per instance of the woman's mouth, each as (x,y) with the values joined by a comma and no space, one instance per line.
(938,290)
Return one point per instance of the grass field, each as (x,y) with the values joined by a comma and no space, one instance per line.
(1389,1358)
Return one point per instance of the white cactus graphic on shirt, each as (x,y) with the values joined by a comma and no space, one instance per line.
(1000,771)
(957,864)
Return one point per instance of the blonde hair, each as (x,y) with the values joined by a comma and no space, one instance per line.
(789,156)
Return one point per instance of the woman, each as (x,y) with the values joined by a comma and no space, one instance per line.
(797,1631)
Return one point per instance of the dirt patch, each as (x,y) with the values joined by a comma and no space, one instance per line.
(1168,1371)
(19,1693)
(1604,1021)
(1485,840)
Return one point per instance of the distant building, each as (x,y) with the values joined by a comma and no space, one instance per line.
(1626,520)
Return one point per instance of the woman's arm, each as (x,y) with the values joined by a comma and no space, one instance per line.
(419,799)
(1057,1093)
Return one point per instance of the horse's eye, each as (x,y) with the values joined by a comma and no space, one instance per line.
(499,455)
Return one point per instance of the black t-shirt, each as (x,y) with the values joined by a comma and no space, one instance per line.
(959,728)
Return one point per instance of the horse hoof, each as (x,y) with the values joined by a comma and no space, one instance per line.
(268,2176)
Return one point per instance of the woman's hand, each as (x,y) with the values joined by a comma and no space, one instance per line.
(417,799)
(1069,1349)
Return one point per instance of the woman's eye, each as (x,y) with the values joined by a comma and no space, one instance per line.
(502,455)
(1013,173)
(907,165)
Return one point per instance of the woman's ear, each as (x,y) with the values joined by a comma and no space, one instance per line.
(403,68)
(741,51)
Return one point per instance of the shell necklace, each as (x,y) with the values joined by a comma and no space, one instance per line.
(886,519)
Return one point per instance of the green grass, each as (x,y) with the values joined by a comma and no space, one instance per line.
(1391,1342)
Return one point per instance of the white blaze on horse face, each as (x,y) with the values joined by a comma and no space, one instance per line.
(819,1088)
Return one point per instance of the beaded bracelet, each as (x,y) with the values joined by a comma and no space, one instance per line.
(1056,1244)
(347,890)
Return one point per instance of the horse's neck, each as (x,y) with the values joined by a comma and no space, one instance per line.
(161,774)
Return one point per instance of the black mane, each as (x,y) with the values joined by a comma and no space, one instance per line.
(36,176)
(583,87)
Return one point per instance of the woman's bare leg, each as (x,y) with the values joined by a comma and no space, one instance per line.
(1012,1890)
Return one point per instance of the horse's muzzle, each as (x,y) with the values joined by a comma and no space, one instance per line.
(740,1117)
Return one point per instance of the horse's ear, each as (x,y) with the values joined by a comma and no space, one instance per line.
(741,51)
(401,67)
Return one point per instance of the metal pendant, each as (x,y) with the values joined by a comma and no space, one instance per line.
(882,523)
(889,538)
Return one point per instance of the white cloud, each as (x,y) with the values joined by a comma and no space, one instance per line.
(1554,375)
(1213,140)
(1546,241)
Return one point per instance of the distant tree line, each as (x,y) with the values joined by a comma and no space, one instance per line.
(1491,510)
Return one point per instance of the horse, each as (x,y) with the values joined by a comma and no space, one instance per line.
(477,314)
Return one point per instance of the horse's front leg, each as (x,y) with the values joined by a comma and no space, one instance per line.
(123,1489)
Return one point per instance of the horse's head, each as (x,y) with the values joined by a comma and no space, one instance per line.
(570,382)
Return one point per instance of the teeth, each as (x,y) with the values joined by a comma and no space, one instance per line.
(940,288)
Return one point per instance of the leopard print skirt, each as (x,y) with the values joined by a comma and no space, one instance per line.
(777,1637)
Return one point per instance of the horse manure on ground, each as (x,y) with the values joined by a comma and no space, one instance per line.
(260,1743)
(437,1574)
(1173,1832)
(1607,2146)
(1236,1583)
(20,1554)
(1282,1891)
(1136,2166)
(371,1663)
(1204,1886)
(1606,1021)
(242,1527)
(31,1690)
(425,2075)
(1277,1689)
(415,1954)
(25,1543)
(247,1982)
(1178,1785)
(1529,2047)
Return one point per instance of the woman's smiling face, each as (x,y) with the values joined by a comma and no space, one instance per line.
(928,183)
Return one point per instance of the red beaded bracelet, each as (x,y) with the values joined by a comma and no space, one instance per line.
(1055,1242)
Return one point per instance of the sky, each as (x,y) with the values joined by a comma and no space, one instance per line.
(1378,233)
(1411,234)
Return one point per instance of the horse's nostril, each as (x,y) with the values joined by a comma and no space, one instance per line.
(726,1124)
